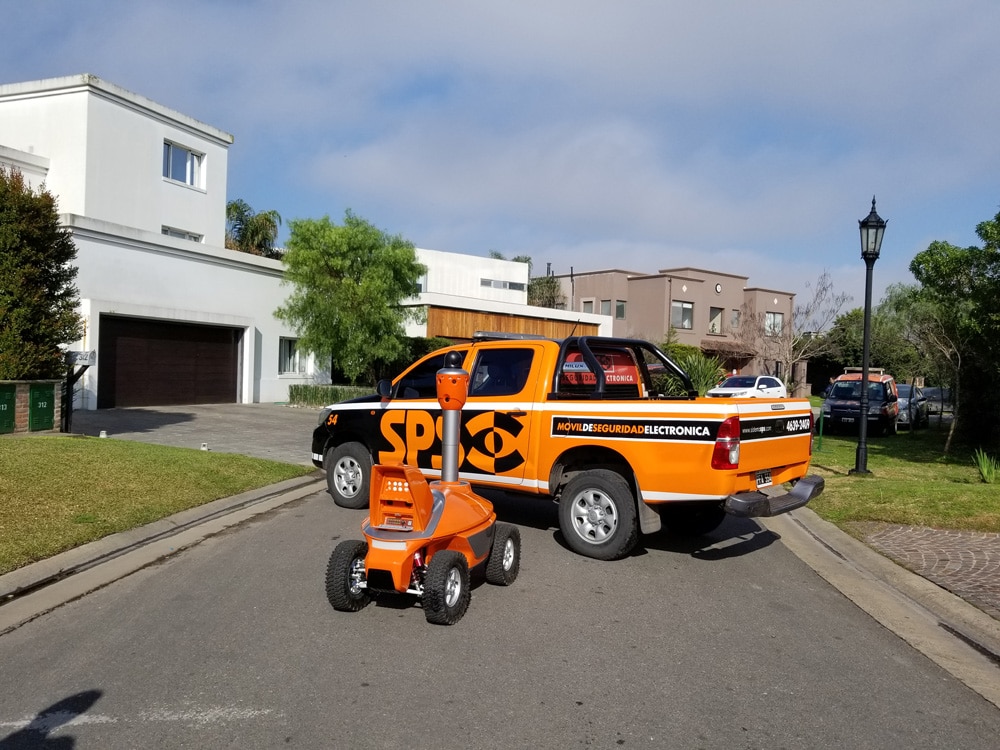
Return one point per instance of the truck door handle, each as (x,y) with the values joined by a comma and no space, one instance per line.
(516,413)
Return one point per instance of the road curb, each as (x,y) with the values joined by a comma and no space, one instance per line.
(40,587)
(957,636)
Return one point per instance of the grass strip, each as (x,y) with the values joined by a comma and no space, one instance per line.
(911,483)
(58,492)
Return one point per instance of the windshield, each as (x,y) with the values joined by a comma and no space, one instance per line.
(903,390)
(739,382)
(850,390)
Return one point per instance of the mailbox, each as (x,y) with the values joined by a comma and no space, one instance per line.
(8,404)
(41,406)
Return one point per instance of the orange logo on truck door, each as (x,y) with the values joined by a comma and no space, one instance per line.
(491,442)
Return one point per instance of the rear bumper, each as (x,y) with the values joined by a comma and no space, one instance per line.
(759,505)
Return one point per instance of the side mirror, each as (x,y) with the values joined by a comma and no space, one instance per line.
(384,389)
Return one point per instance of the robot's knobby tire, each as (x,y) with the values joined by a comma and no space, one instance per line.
(505,556)
(344,575)
(446,588)
(597,515)
(348,473)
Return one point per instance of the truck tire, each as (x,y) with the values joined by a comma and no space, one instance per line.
(597,515)
(344,574)
(505,555)
(348,473)
(446,588)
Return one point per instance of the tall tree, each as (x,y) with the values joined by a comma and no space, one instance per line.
(799,339)
(349,282)
(38,297)
(965,282)
(251,232)
(934,330)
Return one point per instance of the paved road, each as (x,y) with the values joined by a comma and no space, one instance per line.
(728,643)
(964,563)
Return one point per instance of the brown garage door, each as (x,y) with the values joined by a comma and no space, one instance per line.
(144,362)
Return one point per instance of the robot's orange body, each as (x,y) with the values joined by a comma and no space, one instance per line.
(423,537)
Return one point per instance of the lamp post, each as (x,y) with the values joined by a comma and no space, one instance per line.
(872,228)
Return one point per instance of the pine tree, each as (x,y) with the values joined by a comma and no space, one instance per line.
(38,297)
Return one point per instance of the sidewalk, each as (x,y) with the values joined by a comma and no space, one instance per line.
(966,563)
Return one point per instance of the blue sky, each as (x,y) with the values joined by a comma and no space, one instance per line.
(747,137)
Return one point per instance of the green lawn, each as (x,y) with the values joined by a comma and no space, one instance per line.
(911,483)
(58,491)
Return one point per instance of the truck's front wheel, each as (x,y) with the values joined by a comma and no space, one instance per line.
(348,468)
(597,515)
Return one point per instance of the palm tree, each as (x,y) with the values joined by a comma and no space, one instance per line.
(251,232)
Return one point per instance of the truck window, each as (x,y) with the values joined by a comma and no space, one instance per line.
(621,374)
(421,380)
(500,372)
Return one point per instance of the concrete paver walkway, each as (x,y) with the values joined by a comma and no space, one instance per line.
(966,563)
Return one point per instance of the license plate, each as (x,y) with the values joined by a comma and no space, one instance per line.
(764,478)
(848,419)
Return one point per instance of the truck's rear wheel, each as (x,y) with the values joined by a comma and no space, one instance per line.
(597,515)
(348,471)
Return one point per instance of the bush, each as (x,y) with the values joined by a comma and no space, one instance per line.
(989,467)
(323,395)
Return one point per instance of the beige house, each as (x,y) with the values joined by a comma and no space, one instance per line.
(702,308)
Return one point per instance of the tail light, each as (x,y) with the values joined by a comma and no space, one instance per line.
(726,454)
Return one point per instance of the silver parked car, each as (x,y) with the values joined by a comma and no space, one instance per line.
(913,406)
(749,386)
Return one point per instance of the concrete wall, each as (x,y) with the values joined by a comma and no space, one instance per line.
(105,149)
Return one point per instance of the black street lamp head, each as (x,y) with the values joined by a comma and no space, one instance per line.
(872,228)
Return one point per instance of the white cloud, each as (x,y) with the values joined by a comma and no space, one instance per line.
(749,136)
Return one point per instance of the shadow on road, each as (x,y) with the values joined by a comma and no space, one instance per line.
(35,736)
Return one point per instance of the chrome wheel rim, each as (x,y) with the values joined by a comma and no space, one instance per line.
(356,576)
(594,515)
(347,474)
(508,554)
(452,587)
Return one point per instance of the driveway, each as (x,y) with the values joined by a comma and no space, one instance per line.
(274,431)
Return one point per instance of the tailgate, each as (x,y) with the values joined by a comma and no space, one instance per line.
(775,442)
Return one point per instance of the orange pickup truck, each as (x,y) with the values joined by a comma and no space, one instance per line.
(609,428)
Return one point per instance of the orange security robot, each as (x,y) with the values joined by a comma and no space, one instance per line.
(424,537)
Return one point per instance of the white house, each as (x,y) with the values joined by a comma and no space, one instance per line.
(175,317)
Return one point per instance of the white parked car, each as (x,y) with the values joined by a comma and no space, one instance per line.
(749,386)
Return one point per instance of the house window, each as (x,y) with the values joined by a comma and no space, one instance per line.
(682,315)
(290,361)
(517,286)
(620,309)
(773,323)
(734,320)
(605,307)
(715,319)
(181,234)
(588,306)
(182,165)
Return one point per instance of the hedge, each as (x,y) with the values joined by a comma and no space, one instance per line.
(322,395)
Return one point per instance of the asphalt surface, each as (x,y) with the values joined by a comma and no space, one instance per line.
(949,581)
